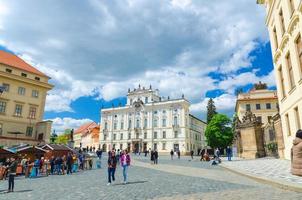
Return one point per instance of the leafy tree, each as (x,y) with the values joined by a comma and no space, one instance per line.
(62,139)
(219,132)
(211,110)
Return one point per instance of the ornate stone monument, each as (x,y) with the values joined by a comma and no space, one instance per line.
(71,141)
(250,137)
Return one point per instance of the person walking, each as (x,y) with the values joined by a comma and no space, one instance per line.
(171,154)
(69,162)
(178,154)
(296,155)
(52,165)
(192,154)
(23,164)
(11,174)
(229,153)
(111,167)
(155,157)
(152,157)
(125,163)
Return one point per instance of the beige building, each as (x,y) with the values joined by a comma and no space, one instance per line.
(22,102)
(149,121)
(87,135)
(261,102)
(284,22)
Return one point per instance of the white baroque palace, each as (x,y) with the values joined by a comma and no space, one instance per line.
(148,121)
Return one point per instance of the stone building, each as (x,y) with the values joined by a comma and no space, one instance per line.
(284,23)
(259,124)
(22,102)
(260,101)
(149,121)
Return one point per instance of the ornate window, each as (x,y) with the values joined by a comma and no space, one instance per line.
(29,131)
(35,93)
(137,123)
(21,91)
(32,112)
(290,71)
(2,106)
(164,134)
(282,82)
(18,110)
(155,122)
(175,122)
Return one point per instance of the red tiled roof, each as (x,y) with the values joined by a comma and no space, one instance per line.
(16,62)
(85,127)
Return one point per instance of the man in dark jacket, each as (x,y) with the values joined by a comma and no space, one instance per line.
(11,174)
(52,165)
(69,163)
(155,157)
(111,167)
(192,154)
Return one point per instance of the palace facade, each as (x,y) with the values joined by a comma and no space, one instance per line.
(22,102)
(284,22)
(148,121)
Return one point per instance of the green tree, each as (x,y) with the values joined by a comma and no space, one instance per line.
(62,139)
(219,132)
(211,110)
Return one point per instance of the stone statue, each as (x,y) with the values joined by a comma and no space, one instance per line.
(71,135)
(248,118)
(260,86)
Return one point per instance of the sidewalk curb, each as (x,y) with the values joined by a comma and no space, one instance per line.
(283,185)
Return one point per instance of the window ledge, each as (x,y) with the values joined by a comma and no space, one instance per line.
(292,90)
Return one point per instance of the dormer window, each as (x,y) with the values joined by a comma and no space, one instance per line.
(37,78)
(8,70)
(23,74)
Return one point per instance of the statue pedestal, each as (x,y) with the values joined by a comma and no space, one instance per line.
(70,144)
(252,142)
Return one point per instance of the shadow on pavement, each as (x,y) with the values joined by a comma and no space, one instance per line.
(18,191)
(134,182)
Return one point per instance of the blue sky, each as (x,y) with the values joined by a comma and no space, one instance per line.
(95,50)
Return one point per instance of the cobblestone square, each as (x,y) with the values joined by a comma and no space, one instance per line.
(177,179)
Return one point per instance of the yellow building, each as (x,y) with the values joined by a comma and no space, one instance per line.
(284,22)
(261,102)
(22,101)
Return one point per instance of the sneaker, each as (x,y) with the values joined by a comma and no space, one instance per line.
(125,182)
(108,184)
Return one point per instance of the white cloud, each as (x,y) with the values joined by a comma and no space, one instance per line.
(240,80)
(61,124)
(112,45)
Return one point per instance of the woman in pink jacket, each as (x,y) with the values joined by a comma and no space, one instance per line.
(125,163)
